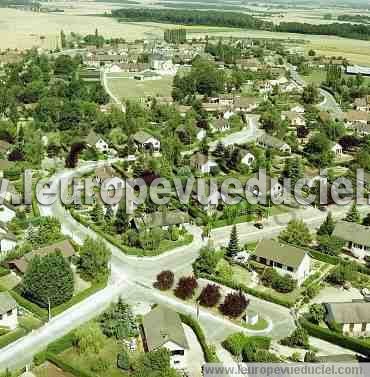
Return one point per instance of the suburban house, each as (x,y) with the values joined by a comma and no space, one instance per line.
(362,104)
(361,129)
(247,158)
(163,328)
(268,141)
(245,104)
(356,236)
(5,147)
(200,161)
(298,109)
(8,311)
(353,317)
(220,125)
(92,140)
(147,75)
(353,117)
(107,176)
(285,259)
(337,150)
(8,241)
(208,197)
(161,220)
(294,119)
(262,185)
(21,264)
(147,142)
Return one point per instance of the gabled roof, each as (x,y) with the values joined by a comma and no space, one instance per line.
(160,219)
(199,159)
(352,232)
(272,141)
(287,255)
(92,138)
(142,137)
(65,247)
(245,102)
(349,312)
(4,146)
(163,325)
(7,302)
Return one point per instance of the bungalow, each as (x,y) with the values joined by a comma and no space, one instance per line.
(262,185)
(92,140)
(245,104)
(285,259)
(8,311)
(161,220)
(361,129)
(353,317)
(352,117)
(21,264)
(298,109)
(337,149)
(226,99)
(201,162)
(362,104)
(5,165)
(147,142)
(8,241)
(294,119)
(162,328)
(147,75)
(214,107)
(220,125)
(267,141)
(356,236)
(248,158)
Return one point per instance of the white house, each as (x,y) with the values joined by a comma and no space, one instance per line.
(163,329)
(201,162)
(268,141)
(147,142)
(337,150)
(294,119)
(220,125)
(93,140)
(298,109)
(247,158)
(8,242)
(353,317)
(356,236)
(8,311)
(245,104)
(261,185)
(285,259)
(201,133)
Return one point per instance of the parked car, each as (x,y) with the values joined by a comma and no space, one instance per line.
(366,293)
(258,225)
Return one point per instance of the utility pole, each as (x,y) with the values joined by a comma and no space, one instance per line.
(49,309)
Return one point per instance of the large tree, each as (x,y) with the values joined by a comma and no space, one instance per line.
(234,304)
(49,279)
(353,216)
(296,233)
(327,227)
(94,260)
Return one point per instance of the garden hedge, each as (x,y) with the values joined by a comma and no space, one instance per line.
(209,356)
(11,337)
(30,306)
(253,292)
(351,343)
(66,367)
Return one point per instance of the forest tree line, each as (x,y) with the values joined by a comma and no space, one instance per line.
(239,20)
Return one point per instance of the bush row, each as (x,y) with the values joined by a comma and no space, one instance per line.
(235,343)
(254,292)
(209,356)
(30,306)
(353,344)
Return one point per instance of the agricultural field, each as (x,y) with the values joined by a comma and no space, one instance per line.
(126,88)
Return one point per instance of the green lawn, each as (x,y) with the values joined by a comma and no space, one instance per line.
(260,325)
(9,281)
(86,361)
(125,88)
(315,77)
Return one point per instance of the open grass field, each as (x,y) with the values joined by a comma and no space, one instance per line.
(125,88)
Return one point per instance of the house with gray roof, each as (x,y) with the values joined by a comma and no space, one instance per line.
(161,220)
(93,140)
(268,141)
(8,311)
(163,329)
(285,259)
(146,142)
(356,236)
(353,317)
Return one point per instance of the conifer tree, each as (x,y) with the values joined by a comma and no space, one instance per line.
(233,247)
(353,216)
(327,227)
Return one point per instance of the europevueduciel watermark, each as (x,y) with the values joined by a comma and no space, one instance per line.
(259,189)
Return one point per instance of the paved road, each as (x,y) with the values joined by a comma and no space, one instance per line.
(329,103)
(246,135)
(132,279)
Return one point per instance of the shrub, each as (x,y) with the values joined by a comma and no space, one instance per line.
(310,357)
(299,338)
(284,284)
(100,365)
(210,295)
(186,287)
(89,338)
(235,343)
(123,360)
(165,280)
(234,304)
(317,313)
